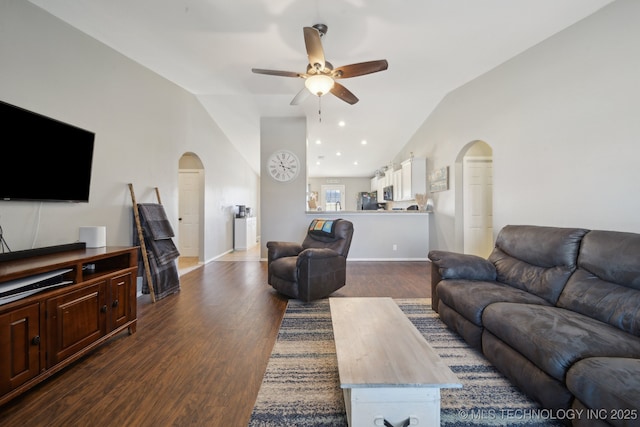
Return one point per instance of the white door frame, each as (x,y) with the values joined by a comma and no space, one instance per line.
(477,205)
(189,235)
(458,185)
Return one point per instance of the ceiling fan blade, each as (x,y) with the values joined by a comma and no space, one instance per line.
(360,69)
(344,93)
(300,96)
(315,52)
(277,73)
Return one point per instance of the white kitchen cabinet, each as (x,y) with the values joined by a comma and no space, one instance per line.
(381,185)
(383,181)
(245,233)
(414,178)
(397,185)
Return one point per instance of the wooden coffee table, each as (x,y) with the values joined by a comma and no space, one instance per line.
(389,374)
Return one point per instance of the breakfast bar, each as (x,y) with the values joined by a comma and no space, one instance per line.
(385,235)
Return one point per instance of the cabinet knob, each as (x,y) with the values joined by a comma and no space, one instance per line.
(115,303)
(35,340)
(104,309)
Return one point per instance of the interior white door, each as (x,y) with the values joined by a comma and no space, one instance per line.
(478,205)
(189,212)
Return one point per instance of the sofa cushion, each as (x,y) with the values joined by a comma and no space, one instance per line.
(548,391)
(554,338)
(340,241)
(536,259)
(607,281)
(612,256)
(457,295)
(285,268)
(608,302)
(608,382)
(470,332)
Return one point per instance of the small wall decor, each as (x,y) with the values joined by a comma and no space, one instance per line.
(312,202)
(439,179)
(421,200)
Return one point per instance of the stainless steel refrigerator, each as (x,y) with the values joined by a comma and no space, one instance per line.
(367,201)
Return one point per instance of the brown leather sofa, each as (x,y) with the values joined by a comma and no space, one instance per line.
(557,311)
(317,267)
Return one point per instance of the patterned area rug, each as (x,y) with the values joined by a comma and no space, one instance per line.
(301,386)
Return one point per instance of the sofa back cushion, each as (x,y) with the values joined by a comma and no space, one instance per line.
(334,234)
(606,285)
(537,259)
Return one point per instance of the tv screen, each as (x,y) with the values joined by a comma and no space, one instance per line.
(44,159)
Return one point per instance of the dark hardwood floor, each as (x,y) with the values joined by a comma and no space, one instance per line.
(197,358)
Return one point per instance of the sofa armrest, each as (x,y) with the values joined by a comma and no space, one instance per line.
(452,265)
(282,249)
(321,271)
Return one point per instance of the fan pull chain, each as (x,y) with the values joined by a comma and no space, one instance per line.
(319,109)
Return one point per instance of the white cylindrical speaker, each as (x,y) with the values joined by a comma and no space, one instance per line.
(94,237)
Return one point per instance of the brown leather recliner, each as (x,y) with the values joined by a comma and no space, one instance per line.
(315,268)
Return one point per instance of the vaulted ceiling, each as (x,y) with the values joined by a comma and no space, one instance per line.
(209,47)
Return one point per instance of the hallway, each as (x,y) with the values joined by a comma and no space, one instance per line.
(187,264)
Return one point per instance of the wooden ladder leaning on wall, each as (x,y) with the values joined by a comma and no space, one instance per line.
(143,248)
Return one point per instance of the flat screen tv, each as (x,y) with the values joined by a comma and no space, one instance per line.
(43,159)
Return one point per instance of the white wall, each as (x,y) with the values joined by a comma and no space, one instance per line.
(283,204)
(563,120)
(143,125)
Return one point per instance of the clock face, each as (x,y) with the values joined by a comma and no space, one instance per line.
(283,165)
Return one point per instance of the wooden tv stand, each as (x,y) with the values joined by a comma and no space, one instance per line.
(42,333)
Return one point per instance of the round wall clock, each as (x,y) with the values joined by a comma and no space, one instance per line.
(283,165)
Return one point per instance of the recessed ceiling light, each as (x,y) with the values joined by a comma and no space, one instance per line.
(355,163)
(363,142)
(341,123)
(318,142)
(338,154)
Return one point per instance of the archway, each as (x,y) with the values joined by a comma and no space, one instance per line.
(474,199)
(190,211)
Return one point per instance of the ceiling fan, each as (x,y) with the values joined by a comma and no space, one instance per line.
(320,77)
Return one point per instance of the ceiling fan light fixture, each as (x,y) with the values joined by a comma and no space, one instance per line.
(319,84)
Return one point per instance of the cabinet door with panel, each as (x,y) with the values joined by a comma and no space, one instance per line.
(75,320)
(406,180)
(397,185)
(414,178)
(380,190)
(19,346)
(93,300)
(120,300)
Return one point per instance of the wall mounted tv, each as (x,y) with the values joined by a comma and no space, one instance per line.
(44,159)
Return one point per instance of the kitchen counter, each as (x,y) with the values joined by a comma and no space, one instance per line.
(362,212)
(385,235)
